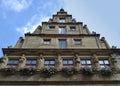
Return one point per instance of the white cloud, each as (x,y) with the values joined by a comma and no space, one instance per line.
(32,24)
(16,5)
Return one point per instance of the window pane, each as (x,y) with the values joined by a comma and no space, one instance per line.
(70,61)
(52,62)
(62,44)
(106,61)
(88,61)
(28,62)
(72,28)
(83,62)
(10,62)
(62,20)
(15,62)
(46,62)
(62,30)
(65,62)
(101,62)
(51,27)
(77,41)
(34,62)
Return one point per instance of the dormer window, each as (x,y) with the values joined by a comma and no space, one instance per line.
(62,20)
(46,41)
(77,41)
(51,27)
(72,28)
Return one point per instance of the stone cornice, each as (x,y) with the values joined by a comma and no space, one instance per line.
(67,23)
(38,51)
(62,35)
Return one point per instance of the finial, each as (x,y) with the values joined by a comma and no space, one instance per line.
(61,10)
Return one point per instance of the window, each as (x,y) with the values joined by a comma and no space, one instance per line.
(62,20)
(86,62)
(104,62)
(31,62)
(12,63)
(62,30)
(49,62)
(67,62)
(72,28)
(51,27)
(77,41)
(62,43)
(46,41)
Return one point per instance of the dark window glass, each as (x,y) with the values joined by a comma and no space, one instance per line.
(31,62)
(13,62)
(62,30)
(62,44)
(49,62)
(67,62)
(77,41)
(86,62)
(104,62)
(62,20)
(72,28)
(46,41)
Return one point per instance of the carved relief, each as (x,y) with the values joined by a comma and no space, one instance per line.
(96,62)
(77,62)
(4,62)
(59,63)
(40,64)
(22,62)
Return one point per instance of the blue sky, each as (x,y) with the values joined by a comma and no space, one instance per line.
(20,16)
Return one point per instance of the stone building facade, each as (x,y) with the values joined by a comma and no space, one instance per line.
(62,43)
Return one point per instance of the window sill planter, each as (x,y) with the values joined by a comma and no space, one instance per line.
(87,71)
(27,71)
(8,71)
(49,71)
(106,71)
(69,71)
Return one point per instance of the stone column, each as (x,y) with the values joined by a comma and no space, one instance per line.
(96,65)
(4,62)
(40,62)
(59,64)
(78,65)
(114,62)
(22,62)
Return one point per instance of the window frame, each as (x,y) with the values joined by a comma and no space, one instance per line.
(30,63)
(66,62)
(102,65)
(12,63)
(72,28)
(86,64)
(62,43)
(62,20)
(62,30)
(51,27)
(49,64)
(46,41)
(78,41)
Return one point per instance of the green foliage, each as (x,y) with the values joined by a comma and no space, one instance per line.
(9,71)
(106,71)
(27,71)
(49,71)
(87,71)
(69,71)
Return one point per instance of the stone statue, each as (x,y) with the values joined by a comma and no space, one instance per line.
(40,64)
(4,62)
(22,62)
(77,62)
(59,63)
(96,66)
